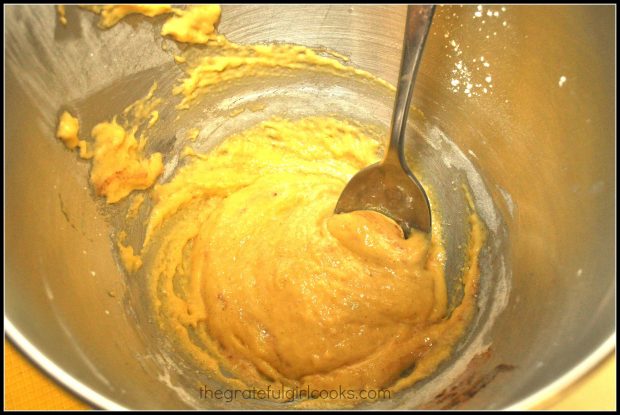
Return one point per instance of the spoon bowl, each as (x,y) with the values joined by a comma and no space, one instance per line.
(389,189)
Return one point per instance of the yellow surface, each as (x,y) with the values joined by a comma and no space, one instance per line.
(26,387)
(596,391)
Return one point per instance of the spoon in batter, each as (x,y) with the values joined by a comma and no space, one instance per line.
(389,187)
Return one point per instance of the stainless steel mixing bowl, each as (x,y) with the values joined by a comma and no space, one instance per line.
(518,104)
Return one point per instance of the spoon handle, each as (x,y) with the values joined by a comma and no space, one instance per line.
(418,22)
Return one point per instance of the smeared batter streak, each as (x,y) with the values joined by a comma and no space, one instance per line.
(62,17)
(112,14)
(194,24)
(68,129)
(119,165)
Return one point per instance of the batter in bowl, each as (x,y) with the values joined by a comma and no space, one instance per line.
(256,272)
(251,273)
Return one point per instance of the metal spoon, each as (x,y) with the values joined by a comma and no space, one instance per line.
(389,187)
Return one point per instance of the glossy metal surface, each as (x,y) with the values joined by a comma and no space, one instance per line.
(536,150)
(390,187)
